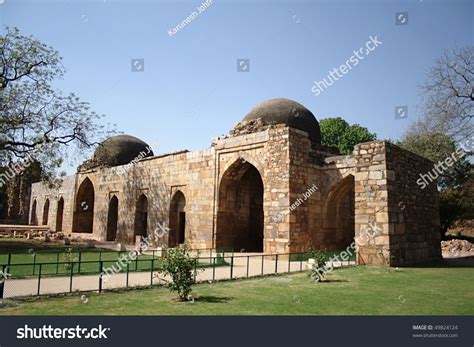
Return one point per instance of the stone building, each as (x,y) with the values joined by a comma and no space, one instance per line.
(269,186)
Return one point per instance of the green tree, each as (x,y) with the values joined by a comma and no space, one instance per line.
(336,132)
(437,147)
(455,183)
(36,121)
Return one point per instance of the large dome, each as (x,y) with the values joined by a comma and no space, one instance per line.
(289,112)
(121,150)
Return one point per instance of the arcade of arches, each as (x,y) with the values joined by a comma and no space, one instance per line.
(239,193)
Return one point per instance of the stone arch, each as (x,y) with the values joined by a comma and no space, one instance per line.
(112,219)
(245,157)
(60,214)
(141,216)
(83,218)
(338,215)
(240,208)
(45,212)
(34,215)
(177,222)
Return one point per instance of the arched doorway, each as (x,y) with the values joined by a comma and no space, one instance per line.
(141,216)
(177,224)
(338,216)
(59,215)
(112,219)
(45,212)
(240,210)
(83,218)
(34,216)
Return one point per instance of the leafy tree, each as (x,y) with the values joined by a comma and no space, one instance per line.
(437,147)
(37,121)
(336,132)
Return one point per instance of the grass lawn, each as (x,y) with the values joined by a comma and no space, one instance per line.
(351,291)
(25,253)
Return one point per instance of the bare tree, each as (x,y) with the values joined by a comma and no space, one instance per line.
(449,96)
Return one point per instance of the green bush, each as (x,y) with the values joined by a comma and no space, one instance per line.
(318,270)
(180,265)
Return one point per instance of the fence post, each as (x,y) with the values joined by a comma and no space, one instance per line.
(276,264)
(231,266)
(128,269)
(101,270)
(248,258)
(213,269)
(263,260)
(9,260)
(100,255)
(136,262)
(151,271)
(34,263)
(301,261)
(153,255)
(39,278)
(70,279)
(57,263)
(3,280)
(79,265)
(289,262)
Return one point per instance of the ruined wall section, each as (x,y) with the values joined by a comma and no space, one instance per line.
(40,192)
(413,212)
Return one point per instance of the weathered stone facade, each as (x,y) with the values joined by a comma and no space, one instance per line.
(266,187)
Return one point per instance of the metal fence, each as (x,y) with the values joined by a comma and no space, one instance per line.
(45,278)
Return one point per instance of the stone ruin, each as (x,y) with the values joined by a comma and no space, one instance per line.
(270,186)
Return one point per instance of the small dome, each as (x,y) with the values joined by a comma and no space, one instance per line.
(289,112)
(121,150)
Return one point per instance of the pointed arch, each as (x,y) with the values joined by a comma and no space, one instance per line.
(59,214)
(112,219)
(45,212)
(338,214)
(83,219)
(34,215)
(240,208)
(141,216)
(177,222)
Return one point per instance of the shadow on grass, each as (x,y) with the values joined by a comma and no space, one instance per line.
(211,299)
(333,281)
(467,261)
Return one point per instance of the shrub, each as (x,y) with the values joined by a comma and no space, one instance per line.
(180,265)
(318,270)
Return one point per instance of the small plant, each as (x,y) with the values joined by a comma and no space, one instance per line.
(317,271)
(69,258)
(384,259)
(180,265)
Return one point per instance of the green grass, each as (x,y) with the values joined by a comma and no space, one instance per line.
(351,291)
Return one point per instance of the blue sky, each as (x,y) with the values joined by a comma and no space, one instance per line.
(190,90)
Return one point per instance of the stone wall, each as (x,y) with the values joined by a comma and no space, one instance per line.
(414,228)
(311,199)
